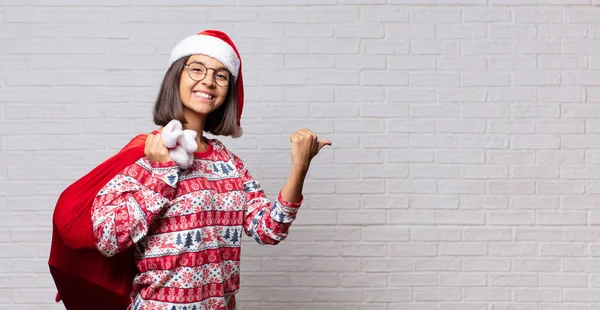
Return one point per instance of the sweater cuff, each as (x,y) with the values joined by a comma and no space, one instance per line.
(285,211)
(287,204)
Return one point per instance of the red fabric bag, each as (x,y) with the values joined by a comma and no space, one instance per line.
(85,278)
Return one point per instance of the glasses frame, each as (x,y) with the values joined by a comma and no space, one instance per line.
(206,73)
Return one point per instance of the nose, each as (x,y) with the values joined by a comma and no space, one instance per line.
(209,79)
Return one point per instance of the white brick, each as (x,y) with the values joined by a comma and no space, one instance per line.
(575,46)
(563,250)
(510,157)
(437,294)
(388,294)
(535,172)
(510,218)
(535,142)
(360,62)
(538,295)
(460,63)
(338,295)
(535,202)
(535,111)
(404,156)
(538,16)
(483,142)
(410,31)
(435,234)
(487,110)
(489,15)
(407,125)
(481,47)
(362,280)
(563,31)
(581,15)
(463,280)
(369,217)
(511,187)
(434,80)
(511,280)
(489,79)
(411,95)
(385,265)
(435,110)
(442,141)
(537,264)
(470,31)
(582,295)
(384,47)
(438,47)
(487,294)
(390,140)
(413,279)
(502,32)
(435,15)
(437,264)
(562,62)
(538,234)
(382,78)
(538,47)
(462,250)
(411,62)
(514,249)
(539,78)
(462,157)
(384,14)
(564,280)
(410,217)
(301,61)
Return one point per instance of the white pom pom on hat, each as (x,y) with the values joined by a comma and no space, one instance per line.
(218,45)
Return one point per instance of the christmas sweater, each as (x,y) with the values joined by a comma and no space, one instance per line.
(185,227)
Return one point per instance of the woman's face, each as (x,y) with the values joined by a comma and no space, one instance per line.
(203,84)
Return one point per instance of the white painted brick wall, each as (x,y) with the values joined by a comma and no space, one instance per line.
(463,174)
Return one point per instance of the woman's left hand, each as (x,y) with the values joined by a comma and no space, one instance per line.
(305,146)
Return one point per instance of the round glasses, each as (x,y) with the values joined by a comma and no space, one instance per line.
(198,72)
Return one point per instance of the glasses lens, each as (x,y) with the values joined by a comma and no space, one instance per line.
(197,71)
(222,78)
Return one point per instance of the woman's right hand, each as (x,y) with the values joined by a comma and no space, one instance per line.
(155,149)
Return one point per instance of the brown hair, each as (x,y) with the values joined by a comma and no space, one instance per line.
(168,105)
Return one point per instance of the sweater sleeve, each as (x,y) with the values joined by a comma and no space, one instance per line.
(264,220)
(128,204)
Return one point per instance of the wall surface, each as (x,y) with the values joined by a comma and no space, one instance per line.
(465,168)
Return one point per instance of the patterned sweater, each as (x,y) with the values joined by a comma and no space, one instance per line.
(186,227)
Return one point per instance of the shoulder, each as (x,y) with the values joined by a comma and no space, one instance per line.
(220,148)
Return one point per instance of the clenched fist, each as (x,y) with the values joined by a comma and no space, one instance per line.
(305,146)
(155,149)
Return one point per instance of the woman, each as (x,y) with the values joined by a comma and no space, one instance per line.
(184,216)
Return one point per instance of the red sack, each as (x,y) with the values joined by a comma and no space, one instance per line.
(85,278)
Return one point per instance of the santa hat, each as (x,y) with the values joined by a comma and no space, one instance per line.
(218,45)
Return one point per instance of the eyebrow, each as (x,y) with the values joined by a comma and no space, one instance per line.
(199,62)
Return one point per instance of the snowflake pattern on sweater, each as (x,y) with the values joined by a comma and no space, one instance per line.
(186,227)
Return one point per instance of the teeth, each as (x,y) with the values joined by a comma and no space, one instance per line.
(201,94)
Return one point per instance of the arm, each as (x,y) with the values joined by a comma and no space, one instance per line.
(268,222)
(129,203)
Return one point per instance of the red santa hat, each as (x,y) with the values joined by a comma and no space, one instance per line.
(218,45)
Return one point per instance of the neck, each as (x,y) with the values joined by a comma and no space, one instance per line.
(196,123)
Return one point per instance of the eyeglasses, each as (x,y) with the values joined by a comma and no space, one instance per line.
(198,72)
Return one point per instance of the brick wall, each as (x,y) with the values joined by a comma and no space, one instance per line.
(464,172)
